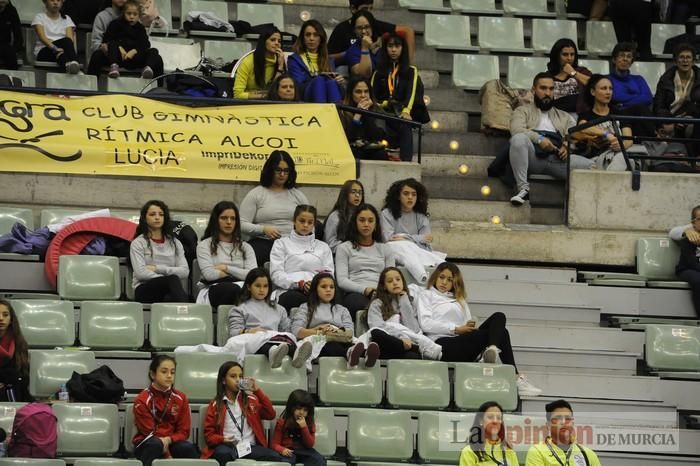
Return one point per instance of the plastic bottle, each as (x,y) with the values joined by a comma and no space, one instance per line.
(63,393)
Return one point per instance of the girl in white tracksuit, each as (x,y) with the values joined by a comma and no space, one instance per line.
(295,259)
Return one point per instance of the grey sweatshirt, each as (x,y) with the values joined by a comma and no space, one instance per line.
(338,316)
(404,314)
(99,27)
(330,231)
(676,233)
(412,224)
(238,262)
(261,207)
(357,269)
(168,257)
(254,313)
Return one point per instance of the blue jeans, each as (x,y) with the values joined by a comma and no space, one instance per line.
(152,449)
(225,453)
(307,456)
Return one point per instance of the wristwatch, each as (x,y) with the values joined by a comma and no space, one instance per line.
(573,74)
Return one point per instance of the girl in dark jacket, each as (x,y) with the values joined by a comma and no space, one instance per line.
(14,357)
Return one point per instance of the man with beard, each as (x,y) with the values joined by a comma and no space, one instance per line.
(560,447)
(537,144)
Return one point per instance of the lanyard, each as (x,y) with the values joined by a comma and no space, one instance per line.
(568,454)
(393,80)
(493,458)
(313,70)
(157,421)
(233,418)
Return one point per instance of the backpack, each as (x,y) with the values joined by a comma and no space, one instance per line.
(34,433)
(99,386)
(9,81)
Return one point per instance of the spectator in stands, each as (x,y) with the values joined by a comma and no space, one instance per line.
(222,257)
(55,37)
(569,77)
(256,70)
(343,35)
(538,141)
(399,90)
(393,323)
(10,35)
(295,432)
(361,259)
(361,57)
(631,93)
(14,357)
(162,416)
(561,444)
(678,90)
(257,314)
(335,230)
(632,22)
(488,428)
(295,259)
(157,257)
(322,316)
(600,143)
(267,209)
(366,134)
(236,413)
(688,269)
(311,67)
(283,89)
(444,316)
(406,227)
(679,11)
(98,49)
(128,46)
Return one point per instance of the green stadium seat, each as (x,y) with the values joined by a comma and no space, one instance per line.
(660,33)
(196,374)
(177,52)
(111,325)
(672,347)
(546,32)
(222,324)
(87,429)
(51,216)
(417,384)
(28,10)
(185,462)
(476,383)
(471,72)
(11,215)
(128,85)
(46,324)
(326,441)
(338,385)
(596,66)
(31,462)
(106,462)
(600,37)
(521,70)
(526,7)
(276,383)
(28,77)
(459,37)
(198,222)
(475,6)
(77,82)
(361,325)
(651,71)
(379,435)
(89,277)
(657,258)
(225,51)
(436,434)
(48,369)
(501,34)
(176,324)
(423,5)
(7,415)
(256,13)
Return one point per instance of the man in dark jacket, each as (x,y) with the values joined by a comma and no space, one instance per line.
(10,35)
(688,268)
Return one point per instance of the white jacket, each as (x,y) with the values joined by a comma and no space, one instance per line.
(296,257)
(439,313)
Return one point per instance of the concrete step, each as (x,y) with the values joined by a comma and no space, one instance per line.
(478,211)
(575,385)
(447,164)
(479,272)
(446,98)
(577,360)
(682,393)
(430,79)
(467,143)
(482,309)
(601,339)
(649,302)
(431,59)
(516,292)
(447,121)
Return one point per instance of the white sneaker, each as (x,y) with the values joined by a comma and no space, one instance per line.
(525,388)
(72,67)
(276,354)
(490,354)
(520,198)
(302,353)
(432,352)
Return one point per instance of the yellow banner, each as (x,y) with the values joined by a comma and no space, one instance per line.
(134,136)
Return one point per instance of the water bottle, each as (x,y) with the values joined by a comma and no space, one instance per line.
(63,393)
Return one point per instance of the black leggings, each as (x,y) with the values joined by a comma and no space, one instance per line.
(335,349)
(262,248)
(693,279)
(167,289)
(224,293)
(291,299)
(68,55)
(468,347)
(392,347)
(355,302)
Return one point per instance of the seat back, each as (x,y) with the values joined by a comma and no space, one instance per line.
(48,369)
(106,462)
(7,415)
(276,383)
(473,5)
(473,71)
(381,435)
(326,441)
(52,216)
(525,6)
(46,323)
(78,82)
(521,70)
(596,66)
(545,32)
(28,80)
(361,325)
(417,384)
(672,347)
(458,26)
(177,53)
(660,33)
(257,13)
(225,51)
(600,37)
(196,374)
(222,324)
(437,433)
(88,277)
(657,258)
(87,428)
(187,462)
(476,383)
(501,33)
(111,325)
(338,385)
(28,10)
(198,222)
(218,9)
(651,71)
(129,85)
(176,324)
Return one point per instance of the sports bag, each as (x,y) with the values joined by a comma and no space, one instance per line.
(99,386)
(33,432)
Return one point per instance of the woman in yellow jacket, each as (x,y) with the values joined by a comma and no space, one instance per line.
(487,439)
(257,70)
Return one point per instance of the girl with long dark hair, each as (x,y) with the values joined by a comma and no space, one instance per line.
(295,431)
(14,357)
(257,70)
(487,439)
(335,228)
(569,77)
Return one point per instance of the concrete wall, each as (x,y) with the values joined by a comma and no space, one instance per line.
(605,200)
(43,190)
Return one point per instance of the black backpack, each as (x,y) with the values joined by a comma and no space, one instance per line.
(99,386)
(9,81)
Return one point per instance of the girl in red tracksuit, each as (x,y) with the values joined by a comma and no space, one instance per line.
(233,427)
(295,431)
(162,416)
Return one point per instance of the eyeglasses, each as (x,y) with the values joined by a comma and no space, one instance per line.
(561,419)
(357,192)
(281,171)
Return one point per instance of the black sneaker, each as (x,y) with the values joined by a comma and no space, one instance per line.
(520,198)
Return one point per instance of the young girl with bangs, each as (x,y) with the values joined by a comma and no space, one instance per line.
(295,431)
(14,357)
(487,439)
(335,228)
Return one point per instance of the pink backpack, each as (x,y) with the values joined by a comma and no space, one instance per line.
(34,432)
